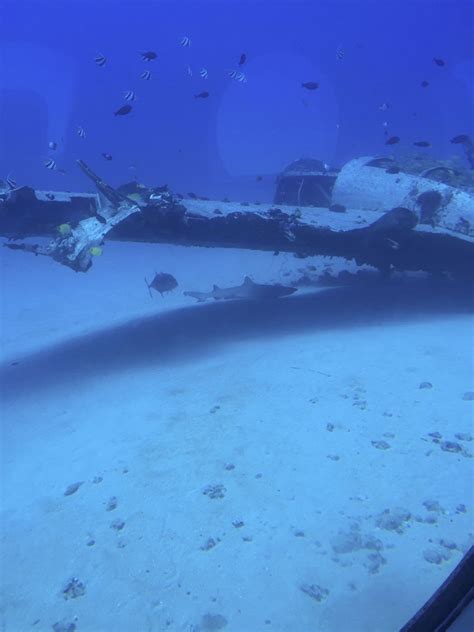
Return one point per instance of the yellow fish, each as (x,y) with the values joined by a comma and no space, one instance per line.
(95,251)
(64,229)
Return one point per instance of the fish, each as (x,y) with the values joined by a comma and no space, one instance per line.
(11,182)
(201,95)
(125,109)
(189,70)
(185,42)
(425,84)
(393,140)
(462,138)
(310,85)
(203,73)
(392,170)
(146,74)
(438,61)
(106,156)
(80,132)
(340,52)
(148,55)
(51,164)
(52,145)
(259,178)
(237,75)
(243,59)
(247,291)
(162,282)
(130,95)
(100,59)
(383,107)
(422,143)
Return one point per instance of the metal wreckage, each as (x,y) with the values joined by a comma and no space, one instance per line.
(370,211)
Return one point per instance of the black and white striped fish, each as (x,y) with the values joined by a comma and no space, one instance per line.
(11,182)
(50,163)
(80,132)
(185,42)
(130,96)
(100,59)
(203,73)
(340,52)
(237,75)
(146,74)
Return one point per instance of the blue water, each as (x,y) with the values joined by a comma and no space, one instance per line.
(241,467)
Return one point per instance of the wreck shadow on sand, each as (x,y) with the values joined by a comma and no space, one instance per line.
(184,334)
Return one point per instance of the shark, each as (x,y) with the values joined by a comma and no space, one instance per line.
(248,291)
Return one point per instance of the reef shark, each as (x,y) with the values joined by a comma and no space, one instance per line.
(249,291)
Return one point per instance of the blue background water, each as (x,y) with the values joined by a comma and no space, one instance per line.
(49,84)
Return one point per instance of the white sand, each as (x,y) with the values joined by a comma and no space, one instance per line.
(156,400)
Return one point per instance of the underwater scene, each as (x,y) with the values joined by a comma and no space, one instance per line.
(237,342)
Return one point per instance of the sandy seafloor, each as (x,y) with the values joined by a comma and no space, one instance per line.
(225,450)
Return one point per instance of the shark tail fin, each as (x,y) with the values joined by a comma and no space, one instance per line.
(149,287)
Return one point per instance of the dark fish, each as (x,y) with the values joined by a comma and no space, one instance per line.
(422,143)
(100,60)
(125,109)
(438,61)
(393,140)
(392,170)
(243,59)
(193,196)
(162,282)
(310,85)
(259,178)
(462,138)
(106,156)
(201,95)
(425,84)
(383,107)
(148,56)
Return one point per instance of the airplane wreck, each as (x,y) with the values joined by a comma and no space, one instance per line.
(369,211)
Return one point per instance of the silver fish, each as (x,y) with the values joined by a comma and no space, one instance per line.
(80,132)
(203,73)
(249,291)
(130,95)
(185,42)
(340,52)
(146,74)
